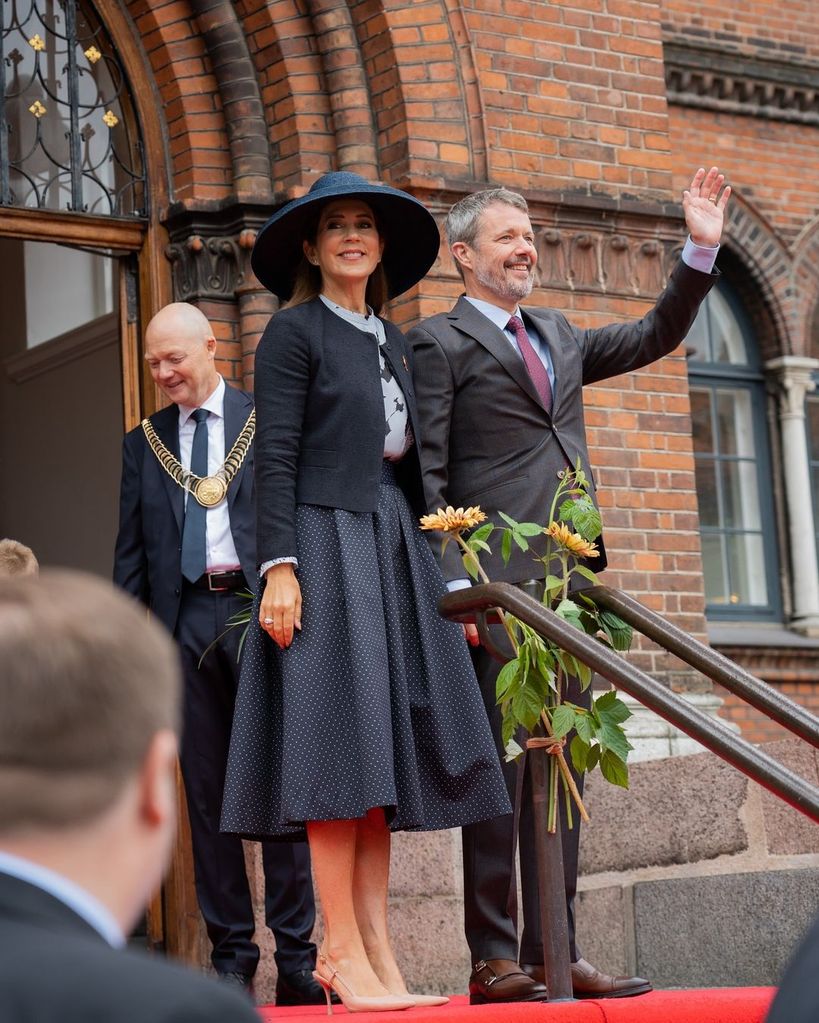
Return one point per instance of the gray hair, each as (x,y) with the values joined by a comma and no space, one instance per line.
(463,219)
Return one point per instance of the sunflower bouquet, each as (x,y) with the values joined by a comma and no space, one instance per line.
(531,684)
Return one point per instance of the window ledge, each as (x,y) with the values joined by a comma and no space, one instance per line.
(757,634)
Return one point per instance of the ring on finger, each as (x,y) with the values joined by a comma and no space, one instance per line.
(712,198)
(268,621)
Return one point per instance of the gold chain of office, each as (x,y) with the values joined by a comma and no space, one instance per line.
(207,490)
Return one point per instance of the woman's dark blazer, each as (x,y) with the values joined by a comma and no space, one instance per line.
(320,422)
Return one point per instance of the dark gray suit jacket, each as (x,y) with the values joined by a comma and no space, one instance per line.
(487,438)
(55,966)
(147,560)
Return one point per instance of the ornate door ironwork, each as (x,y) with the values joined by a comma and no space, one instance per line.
(69,136)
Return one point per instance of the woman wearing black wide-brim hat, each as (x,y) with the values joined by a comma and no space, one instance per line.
(358,711)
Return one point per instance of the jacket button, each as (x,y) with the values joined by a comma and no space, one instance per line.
(176,591)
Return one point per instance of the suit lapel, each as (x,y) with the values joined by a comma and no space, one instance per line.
(466,318)
(166,424)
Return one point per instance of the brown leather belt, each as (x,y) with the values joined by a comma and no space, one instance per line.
(217,581)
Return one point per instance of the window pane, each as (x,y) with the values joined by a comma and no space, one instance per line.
(746,565)
(740,496)
(727,342)
(713,567)
(734,422)
(701,429)
(706,476)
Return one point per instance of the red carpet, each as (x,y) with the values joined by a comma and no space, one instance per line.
(717,1005)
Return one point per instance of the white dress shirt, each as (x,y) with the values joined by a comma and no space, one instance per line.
(70,894)
(220,550)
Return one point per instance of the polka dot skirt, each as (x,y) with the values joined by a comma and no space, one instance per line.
(375,703)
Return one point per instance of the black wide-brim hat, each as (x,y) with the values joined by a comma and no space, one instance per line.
(406,225)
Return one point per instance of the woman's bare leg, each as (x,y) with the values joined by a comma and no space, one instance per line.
(371,877)
(334,852)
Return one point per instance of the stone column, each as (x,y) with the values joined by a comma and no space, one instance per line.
(794,378)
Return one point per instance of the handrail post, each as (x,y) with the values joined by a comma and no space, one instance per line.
(554,925)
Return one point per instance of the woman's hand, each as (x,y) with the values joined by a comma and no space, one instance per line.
(280,610)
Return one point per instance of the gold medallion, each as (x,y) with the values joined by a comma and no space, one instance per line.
(210,490)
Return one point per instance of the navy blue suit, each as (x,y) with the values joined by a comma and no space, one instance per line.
(55,966)
(147,565)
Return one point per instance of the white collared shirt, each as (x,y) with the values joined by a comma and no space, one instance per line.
(82,902)
(220,550)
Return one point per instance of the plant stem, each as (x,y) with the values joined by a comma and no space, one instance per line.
(564,770)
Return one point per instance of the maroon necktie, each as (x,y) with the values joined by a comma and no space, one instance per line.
(537,371)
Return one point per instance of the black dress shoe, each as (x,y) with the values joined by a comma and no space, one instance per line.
(502,980)
(589,982)
(238,980)
(299,988)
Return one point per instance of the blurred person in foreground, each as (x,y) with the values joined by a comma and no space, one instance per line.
(17,559)
(90,696)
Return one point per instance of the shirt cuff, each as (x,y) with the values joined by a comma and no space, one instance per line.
(458,584)
(278,561)
(699,257)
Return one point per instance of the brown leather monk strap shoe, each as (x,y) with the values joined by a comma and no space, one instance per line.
(502,980)
(589,982)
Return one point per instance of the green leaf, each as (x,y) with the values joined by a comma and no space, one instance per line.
(614,769)
(619,632)
(508,519)
(506,677)
(470,563)
(584,674)
(506,546)
(570,612)
(482,532)
(526,706)
(562,721)
(520,541)
(586,573)
(551,586)
(593,758)
(613,739)
(611,708)
(512,750)
(584,725)
(528,528)
(579,752)
(584,516)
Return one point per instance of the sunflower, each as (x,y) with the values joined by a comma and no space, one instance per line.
(453,520)
(571,542)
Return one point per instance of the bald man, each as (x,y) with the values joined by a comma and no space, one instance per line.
(186,549)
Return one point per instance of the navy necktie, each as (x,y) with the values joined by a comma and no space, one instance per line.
(537,371)
(194,560)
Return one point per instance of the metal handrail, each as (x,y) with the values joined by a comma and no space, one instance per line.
(708,731)
(710,663)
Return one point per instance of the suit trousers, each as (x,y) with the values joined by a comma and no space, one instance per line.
(490,874)
(222,887)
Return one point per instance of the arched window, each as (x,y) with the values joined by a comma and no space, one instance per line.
(68,133)
(732,462)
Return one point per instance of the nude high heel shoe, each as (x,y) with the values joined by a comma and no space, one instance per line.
(331,980)
(428,1000)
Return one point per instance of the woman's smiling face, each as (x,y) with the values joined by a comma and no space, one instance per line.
(348,246)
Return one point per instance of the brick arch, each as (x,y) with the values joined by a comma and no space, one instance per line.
(762,275)
(806,290)
(284,50)
(192,107)
(424,91)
